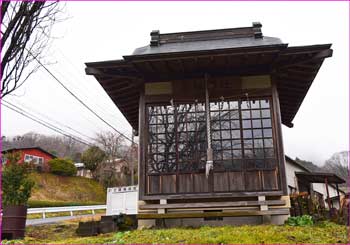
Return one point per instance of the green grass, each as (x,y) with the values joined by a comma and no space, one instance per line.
(64,233)
(53,191)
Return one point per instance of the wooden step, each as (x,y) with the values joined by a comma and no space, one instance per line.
(213,214)
(214,204)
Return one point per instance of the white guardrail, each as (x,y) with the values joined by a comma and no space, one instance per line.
(70,209)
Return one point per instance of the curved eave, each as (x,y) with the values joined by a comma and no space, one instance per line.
(292,68)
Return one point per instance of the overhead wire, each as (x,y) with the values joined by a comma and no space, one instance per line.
(78,99)
(45,124)
(87,88)
(50,119)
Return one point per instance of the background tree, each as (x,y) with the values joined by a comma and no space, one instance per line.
(92,158)
(60,146)
(26,31)
(338,164)
(113,144)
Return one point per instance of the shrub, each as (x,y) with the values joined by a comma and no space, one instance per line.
(16,184)
(63,167)
(304,220)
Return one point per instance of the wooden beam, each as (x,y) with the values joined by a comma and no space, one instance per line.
(237,213)
(98,72)
(320,55)
(213,195)
(213,204)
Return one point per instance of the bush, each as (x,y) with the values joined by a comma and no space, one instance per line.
(16,184)
(304,220)
(63,167)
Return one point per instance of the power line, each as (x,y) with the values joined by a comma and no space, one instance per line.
(77,98)
(47,117)
(82,90)
(47,125)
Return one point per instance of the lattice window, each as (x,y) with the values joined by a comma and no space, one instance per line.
(226,135)
(161,139)
(241,132)
(257,134)
(191,140)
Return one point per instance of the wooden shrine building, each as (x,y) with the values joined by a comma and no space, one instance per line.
(208,108)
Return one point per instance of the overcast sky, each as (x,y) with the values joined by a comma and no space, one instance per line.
(97,31)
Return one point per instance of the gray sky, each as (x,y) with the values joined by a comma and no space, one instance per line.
(97,31)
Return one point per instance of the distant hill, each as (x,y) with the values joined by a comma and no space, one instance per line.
(53,190)
(309,165)
(328,167)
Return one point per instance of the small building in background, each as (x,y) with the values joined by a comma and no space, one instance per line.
(323,186)
(82,171)
(35,155)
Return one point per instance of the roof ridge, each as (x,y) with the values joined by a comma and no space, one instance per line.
(206,35)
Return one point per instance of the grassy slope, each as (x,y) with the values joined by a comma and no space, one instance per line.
(53,190)
(64,233)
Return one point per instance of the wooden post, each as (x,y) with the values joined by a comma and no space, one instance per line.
(132,156)
(328,199)
(337,186)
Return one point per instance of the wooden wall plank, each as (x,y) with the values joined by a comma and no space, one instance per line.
(269,179)
(153,184)
(168,183)
(185,183)
(253,181)
(236,181)
(200,183)
(221,183)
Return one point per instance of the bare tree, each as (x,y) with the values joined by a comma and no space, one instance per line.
(26,32)
(338,164)
(112,144)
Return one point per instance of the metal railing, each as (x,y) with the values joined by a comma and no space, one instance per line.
(70,209)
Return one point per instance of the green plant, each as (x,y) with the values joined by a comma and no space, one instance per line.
(304,220)
(63,167)
(16,184)
(92,158)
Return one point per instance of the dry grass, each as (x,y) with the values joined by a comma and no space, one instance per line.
(51,188)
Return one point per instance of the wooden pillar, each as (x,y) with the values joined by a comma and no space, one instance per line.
(338,194)
(141,149)
(132,156)
(279,139)
(328,199)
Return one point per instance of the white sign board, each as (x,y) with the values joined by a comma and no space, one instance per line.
(122,200)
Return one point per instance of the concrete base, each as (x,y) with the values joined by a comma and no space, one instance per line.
(146,223)
(279,219)
(197,222)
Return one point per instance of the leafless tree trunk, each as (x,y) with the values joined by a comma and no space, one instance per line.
(25,34)
(112,144)
(338,164)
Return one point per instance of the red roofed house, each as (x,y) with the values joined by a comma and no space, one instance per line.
(38,156)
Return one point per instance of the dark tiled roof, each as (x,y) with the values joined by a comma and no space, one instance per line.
(218,52)
(243,42)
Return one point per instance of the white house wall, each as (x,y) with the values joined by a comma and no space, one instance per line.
(290,174)
(291,168)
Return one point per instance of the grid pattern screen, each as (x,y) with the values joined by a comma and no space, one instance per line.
(241,133)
